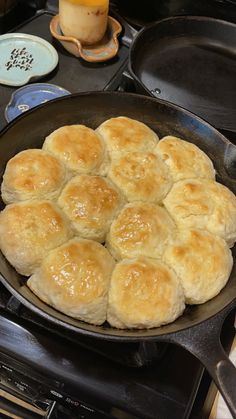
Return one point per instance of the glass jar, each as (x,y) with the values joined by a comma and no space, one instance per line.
(85,20)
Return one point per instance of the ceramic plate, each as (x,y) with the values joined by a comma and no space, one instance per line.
(24,57)
(30,96)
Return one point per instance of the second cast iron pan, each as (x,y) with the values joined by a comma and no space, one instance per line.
(189,61)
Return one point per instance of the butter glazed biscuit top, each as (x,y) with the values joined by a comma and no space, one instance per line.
(124,134)
(91,203)
(141,229)
(144,293)
(75,278)
(142,176)
(32,174)
(184,160)
(78,147)
(28,230)
(204,204)
(202,261)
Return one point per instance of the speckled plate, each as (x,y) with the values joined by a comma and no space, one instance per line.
(103,50)
(25,57)
(28,97)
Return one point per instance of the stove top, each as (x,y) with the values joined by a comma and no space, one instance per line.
(137,379)
(46,366)
(44,363)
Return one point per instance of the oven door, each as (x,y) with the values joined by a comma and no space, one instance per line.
(27,394)
(12,405)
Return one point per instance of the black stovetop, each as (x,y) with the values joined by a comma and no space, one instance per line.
(146,380)
(150,388)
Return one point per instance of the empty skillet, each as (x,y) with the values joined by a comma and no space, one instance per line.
(189,61)
(198,329)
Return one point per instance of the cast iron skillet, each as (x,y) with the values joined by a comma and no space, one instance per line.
(189,61)
(198,329)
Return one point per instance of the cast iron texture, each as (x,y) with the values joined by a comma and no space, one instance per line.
(198,329)
(189,61)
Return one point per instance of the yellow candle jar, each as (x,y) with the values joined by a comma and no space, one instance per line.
(85,20)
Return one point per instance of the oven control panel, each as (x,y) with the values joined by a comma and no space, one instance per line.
(31,398)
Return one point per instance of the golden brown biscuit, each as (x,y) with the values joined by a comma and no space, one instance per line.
(144,293)
(141,176)
(124,134)
(28,230)
(202,261)
(78,147)
(184,160)
(141,229)
(32,174)
(203,204)
(91,203)
(74,278)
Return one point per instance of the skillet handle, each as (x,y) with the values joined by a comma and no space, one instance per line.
(203,341)
(225,379)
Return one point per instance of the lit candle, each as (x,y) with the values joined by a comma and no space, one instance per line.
(85,20)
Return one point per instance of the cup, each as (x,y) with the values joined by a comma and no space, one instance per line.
(85,20)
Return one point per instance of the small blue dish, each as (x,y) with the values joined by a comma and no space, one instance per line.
(28,97)
(24,58)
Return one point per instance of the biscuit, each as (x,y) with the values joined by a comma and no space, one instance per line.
(184,160)
(78,147)
(141,229)
(74,279)
(203,204)
(28,230)
(141,176)
(144,293)
(32,174)
(91,203)
(122,134)
(202,261)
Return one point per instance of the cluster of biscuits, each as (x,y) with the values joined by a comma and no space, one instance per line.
(114,224)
